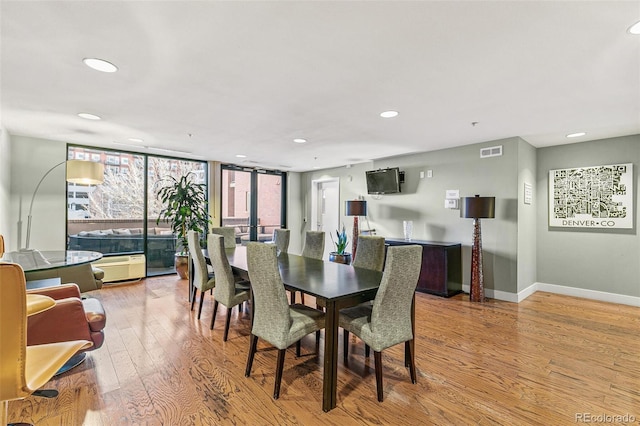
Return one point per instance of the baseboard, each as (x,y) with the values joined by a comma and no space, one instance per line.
(495,294)
(559,289)
(603,296)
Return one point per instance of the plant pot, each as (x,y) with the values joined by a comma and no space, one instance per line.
(340,258)
(182,265)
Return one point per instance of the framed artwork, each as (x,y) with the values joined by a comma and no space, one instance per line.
(592,197)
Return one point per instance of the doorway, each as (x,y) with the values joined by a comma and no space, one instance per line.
(325,209)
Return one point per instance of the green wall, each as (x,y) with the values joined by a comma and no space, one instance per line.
(600,260)
(422,200)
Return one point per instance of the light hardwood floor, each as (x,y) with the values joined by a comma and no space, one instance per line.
(544,361)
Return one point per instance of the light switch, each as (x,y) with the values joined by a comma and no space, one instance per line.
(429,173)
(422,175)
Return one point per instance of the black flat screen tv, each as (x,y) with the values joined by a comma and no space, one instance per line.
(383,181)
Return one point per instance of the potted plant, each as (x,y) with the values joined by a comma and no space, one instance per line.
(185,208)
(340,256)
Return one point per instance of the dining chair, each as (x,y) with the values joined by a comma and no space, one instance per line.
(25,369)
(388,321)
(274,319)
(229,234)
(314,249)
(281,239)
(370,254)
(313,245)
(201,279)
(229,293)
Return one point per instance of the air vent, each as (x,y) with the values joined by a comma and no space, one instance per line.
(492,151)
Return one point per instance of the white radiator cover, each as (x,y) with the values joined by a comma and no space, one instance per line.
(121,268)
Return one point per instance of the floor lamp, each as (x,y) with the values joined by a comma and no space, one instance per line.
(477,208)
(355,208)
(78,171)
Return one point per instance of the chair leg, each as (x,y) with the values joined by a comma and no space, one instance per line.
(215,311)
(378,362)
(367,350)
(253,344)
(302,297)
(345,344)
(5,413)
(193,297)
(298,349)
(279,368)
(293,297)
(226,326)
(412,363)
(201,302)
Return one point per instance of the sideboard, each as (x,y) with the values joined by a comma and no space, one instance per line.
(441,272)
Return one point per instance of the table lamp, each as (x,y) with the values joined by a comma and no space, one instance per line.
(78,171)
(477,208)
(355,208)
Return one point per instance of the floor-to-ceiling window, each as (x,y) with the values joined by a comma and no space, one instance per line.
(253,201)
(119,216)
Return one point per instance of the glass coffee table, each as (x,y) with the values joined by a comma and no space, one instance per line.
(36,260)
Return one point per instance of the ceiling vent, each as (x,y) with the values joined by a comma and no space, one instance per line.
(492,151)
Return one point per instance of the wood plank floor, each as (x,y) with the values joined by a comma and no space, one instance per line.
(541,362)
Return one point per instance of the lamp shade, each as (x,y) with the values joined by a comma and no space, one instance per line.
(478,207)
(356,208)
(85,172)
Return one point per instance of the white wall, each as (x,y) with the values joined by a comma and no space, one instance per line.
(31,158)
(5,187)
(527,231)
(295,221)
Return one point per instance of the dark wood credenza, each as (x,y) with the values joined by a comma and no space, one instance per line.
(441,272)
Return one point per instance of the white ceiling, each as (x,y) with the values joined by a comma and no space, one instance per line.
(218,79)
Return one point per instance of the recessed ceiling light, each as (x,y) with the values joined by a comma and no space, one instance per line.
(576,135)
(389,114)
(241,156)
(300,140)
(89,116)
(100,65)
(635,28)
(136,140)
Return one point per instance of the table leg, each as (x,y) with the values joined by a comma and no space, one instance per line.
(330,379)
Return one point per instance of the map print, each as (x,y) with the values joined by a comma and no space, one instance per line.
(592,197)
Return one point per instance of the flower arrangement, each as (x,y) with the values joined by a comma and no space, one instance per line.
(343,241)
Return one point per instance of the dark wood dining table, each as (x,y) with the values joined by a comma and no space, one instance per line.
(339,286)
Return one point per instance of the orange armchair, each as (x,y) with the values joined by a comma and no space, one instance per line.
(72,318)
(24,369)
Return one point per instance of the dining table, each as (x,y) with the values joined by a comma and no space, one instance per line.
(338,285)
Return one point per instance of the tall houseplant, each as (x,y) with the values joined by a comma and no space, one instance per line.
(185,208)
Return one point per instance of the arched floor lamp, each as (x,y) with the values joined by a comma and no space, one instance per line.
(477,208)
(80,172)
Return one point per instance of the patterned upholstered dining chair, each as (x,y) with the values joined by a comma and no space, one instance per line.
(370,254)
(229,234)
(274,319)
(313,245)
(229,293)
(314,249)
(388,321)
(281,239)
(201,279)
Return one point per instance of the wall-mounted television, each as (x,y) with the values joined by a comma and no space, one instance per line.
(383,181)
